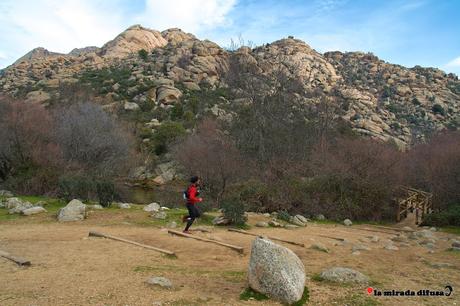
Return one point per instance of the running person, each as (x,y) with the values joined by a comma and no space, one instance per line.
(192,200)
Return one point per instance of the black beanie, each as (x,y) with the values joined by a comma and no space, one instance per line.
(194,179)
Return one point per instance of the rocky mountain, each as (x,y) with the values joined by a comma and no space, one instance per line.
(379,99)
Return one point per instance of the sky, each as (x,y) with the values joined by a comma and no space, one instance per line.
(404,32)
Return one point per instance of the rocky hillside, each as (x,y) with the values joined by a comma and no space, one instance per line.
(379,99)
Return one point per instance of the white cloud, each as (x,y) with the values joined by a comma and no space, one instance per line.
(61,25)
(455,63)
(191,15)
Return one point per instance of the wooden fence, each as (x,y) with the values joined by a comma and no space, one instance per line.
(417,201)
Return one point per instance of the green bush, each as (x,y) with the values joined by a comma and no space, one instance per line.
(284,215)
(105,192)
(438,109)
(143,54)
(450,216)
(75,187)
(233,209)
(166,134)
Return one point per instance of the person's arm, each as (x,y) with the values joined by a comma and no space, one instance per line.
(192,195)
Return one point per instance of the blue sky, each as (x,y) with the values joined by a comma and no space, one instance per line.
(405,32)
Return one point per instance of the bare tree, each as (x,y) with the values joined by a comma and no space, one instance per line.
(93,140)
(212,155)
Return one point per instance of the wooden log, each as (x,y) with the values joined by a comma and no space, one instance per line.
(394,229)
(373,230)
(335,238)
(233,247)
(97,234)
(272,238)
(20,261)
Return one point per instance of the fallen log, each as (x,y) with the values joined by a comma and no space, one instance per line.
(233,247)
(335,238)
(97,234)
(20,261)
(395,229)
(269,237)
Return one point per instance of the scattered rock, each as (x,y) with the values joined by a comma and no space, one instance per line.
(16,205)
(320,217)
(74,211)
(191,86)
(152,207)
(344,275)
(319,247)
(41,203)
(159,281)
(123,205)
(6,193)
(441,265)
(131,106)
(172,224)
(164,208)
(356,253)
(347,222)
(274,223)
(360,247)
(33,211)
(399,238)
(290,226)
(96,206)
(375,239)
(161,215)
(221,220)
(276,271)
(302,219)
(262,224)
(297,221)
(266,215)
(456,244)
(391,247)
(433,229)
(408,228)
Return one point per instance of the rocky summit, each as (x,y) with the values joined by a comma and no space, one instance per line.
(378,99)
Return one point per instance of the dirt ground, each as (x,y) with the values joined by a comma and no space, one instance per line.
(70,268)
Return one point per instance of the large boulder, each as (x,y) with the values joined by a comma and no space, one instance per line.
(276,271)
(168,94)
(16,205)
(344,275)
(74,211)
(33,211)
(152,207)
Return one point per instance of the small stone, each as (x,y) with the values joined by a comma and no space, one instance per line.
(161,215)
(320,217)
(433,229)
(123,205)
(274,223)
(456,244)
(164,208)
(347,222)
(33,211)
(320,247)
(152,207)
(6,193)
(344,275)
(360,247)
(266,215)
(356,253)
(160,281)
(172,224)
(262,224)
(96,206)
(391,247)
(408,228)
(375,239)
(290,226)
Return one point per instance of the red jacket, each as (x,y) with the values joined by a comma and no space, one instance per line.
(192,199)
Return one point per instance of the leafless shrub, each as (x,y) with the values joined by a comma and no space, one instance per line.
(213,156)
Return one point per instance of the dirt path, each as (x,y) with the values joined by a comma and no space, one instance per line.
(68,268)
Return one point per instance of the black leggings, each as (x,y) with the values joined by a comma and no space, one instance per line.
(193,213)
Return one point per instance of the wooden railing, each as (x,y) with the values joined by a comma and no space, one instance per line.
(417,201)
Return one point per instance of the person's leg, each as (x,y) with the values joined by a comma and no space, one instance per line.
(191,216)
